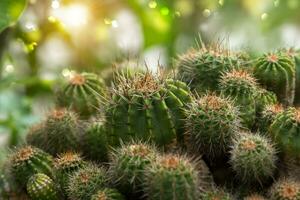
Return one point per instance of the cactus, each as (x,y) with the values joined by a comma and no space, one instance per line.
(128,164)
(253,158)
(212,122)
(267,117)
(276,72)
(84,183)
(203,68)
(285,131)
(66,164)
(28,161)
(216,194)
(242,88)
(42,187)
(255,197)
(146,108)
(57,134)
(263,99)
(94,142)
(107,194)
(173,177)
(83,93)
(285,189)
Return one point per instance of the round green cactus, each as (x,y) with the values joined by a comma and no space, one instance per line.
(42,187)
(147,108)
(285,131)
(57,134)
(83,93)
(127,166)
(276,71)
(95,142)
(203,68)
(66,164)
(173,177)
(263,99)
(107,194)
(216,194)
(253,158)
(285,189)
(212,122)
(28,161)
(242,88)
(267,117)
(84,183)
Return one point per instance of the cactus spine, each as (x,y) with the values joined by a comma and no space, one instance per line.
(253,158)
(242,88)
(27,161)
(285,131)
(285,189)
(212,122)
(42,187)
(84,183)
(107,194)
(128,165)
(83,93)
(146,108)
(276,71)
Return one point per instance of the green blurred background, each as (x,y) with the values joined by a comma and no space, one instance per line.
(52,38)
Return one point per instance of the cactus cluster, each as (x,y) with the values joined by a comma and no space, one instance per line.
(224,127)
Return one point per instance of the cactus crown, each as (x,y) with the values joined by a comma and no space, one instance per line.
(67,159)
(214,102)
(272,58)
(138,150)
(254,197)
(23,154)
(77,79)
(273,108)
(239,76)
(286,189)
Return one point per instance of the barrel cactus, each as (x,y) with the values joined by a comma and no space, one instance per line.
(212,123)
(28,161)
(147,108)
(285,189)
(107,194)
(253,158)
(242,88)
(285,131)
(42,187)
(267,117)
(276,71)
(263,99)
(83,93)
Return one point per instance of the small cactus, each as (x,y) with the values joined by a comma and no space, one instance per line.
(107,194)
(263,99)
(95,143)
(28,161)
(127,166)
(276,72)
(146,108)
(285,131)
(242,88)
(84,183)
(42,187)
(267,117)
(57,134)
(83,93)
(66,164)
(285,189)
(212,122)
(173,177)
(253,158)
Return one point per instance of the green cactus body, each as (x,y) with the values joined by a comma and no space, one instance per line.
(263,99)
(127,166)
(95,142)
(57,134)
(241,87)
(267,117)
(296,56)
(146,108)
(285,131)
(276,72)
(173,177)
(212,122)
(42,187)
(203,68)
(285,189)
(107,194)
(28,161)
(83,93)
(66,164)
(84,183)
(253,158)
(216,195)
